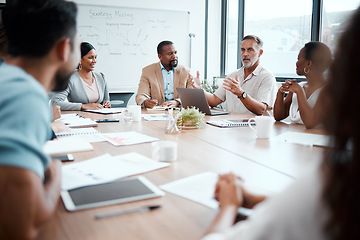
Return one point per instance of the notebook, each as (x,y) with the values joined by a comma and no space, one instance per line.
(196,97)
(230,123)
(77,132)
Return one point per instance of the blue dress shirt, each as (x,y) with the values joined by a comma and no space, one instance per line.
(168,80)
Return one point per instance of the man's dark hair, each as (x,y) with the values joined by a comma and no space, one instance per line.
(85,48)
(162,44)
(258,40)
(34,26)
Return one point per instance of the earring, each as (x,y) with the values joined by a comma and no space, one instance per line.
(306,70)
(80,66)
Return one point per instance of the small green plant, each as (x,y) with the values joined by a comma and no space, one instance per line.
(191,117)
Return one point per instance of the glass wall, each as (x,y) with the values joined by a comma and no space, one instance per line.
(232,36)
(334,17)
(283,27)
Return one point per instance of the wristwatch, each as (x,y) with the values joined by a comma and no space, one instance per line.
(244,95)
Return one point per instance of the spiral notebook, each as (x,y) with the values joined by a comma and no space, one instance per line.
(230,123)
(77,132)
(88,134)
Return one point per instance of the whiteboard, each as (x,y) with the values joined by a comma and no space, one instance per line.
(126,39)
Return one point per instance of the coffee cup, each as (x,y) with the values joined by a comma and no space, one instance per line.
(164,151)
(263,125)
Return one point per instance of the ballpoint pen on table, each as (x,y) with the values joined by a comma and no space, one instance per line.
(127,211)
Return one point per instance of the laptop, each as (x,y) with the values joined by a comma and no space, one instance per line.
(196,97)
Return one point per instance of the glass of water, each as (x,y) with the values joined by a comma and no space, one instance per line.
(128,116)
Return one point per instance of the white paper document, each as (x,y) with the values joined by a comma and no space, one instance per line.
(106,168)
(75,120)
(127,138)
(198,188)
(306,139)
(155,117)
(67,145)
(88,134)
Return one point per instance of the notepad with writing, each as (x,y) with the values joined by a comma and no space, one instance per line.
(230,123)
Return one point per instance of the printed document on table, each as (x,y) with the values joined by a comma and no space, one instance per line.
(306,139)
(73,120)
(198,188)
(127,138)
(106,168)
(66,145)
(155,117)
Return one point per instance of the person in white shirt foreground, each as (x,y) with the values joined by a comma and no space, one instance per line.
(323,204)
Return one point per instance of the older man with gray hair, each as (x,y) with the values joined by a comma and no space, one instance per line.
(250,89)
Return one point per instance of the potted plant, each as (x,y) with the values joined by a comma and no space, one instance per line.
(191,118)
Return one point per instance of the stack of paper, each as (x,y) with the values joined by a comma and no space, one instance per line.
(106,168)
(74,120)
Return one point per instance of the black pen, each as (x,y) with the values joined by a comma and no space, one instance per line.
(123,212)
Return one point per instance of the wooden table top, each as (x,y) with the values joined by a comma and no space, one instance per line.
(271,165)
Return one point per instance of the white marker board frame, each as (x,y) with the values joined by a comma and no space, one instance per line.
(126,39)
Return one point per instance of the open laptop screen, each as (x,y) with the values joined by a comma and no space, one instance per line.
(196,97)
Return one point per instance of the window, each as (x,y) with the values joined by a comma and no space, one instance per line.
(334,17)
(232,36)
(284,28)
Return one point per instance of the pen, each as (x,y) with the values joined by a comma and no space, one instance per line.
(123,212)
(148,97)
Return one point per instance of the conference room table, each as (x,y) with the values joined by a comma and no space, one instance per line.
(267,166)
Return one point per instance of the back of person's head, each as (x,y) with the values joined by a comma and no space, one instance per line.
(85,48)
(162,44)
(3,41)
(319,53)
(258,40)
(34,26)
(342,166)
